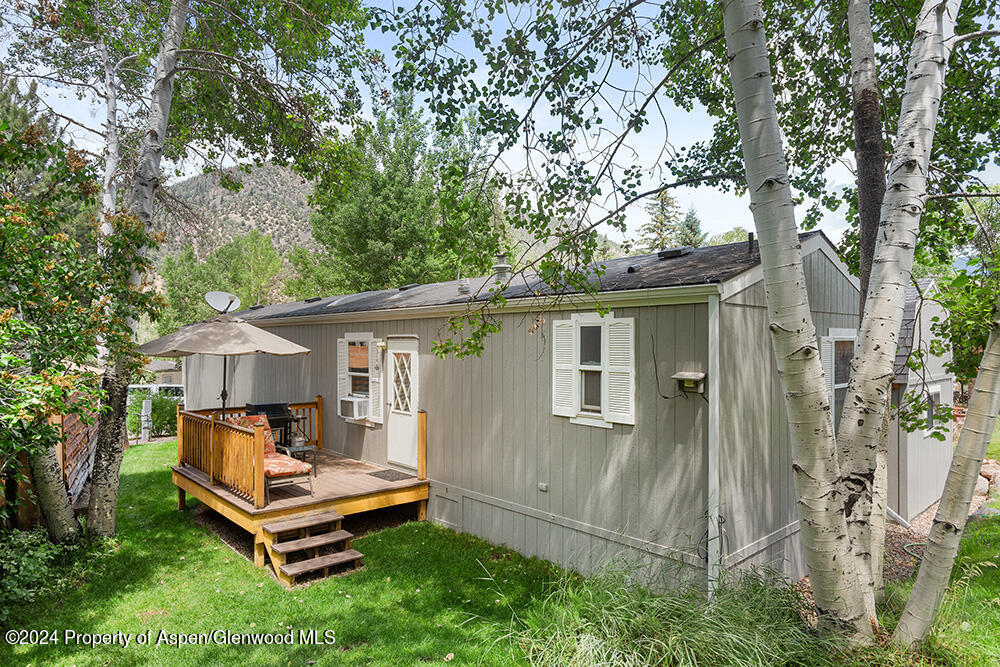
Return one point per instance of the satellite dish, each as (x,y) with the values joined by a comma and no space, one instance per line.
(223,302)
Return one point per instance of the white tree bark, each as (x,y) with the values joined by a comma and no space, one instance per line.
(870,161)
(46,475)
(953,510)
(111,432)
(906,194)
(112,145)
(817,473)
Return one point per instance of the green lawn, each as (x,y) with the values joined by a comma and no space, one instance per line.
(421,596)
(427,594)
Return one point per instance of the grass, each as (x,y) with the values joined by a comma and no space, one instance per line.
(430,595)
(421,596)
(967,629)
(993,452)
(606,620)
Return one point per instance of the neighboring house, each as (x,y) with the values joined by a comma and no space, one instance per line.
(658,429)
(919,463)
(164,372)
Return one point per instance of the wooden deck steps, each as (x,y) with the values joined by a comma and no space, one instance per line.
(313,542)
(305,521)
(350,556)
(301,539)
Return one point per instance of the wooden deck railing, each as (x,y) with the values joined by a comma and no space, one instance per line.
(227,453)
(310,411)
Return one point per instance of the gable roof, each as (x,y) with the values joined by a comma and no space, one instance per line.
(700,266)
(914,297)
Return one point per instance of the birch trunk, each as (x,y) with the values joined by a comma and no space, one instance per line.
(111,432)
(869,155)
(869,150)
(880,494)
(793,335)
(953,510)
(46,475)
(112,145)
(870,384)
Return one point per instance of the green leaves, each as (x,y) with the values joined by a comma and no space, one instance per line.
(397,206)
(247,266)
(56,301)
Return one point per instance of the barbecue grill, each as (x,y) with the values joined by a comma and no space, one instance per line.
(279,416)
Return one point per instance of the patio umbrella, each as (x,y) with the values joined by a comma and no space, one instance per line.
(223,335)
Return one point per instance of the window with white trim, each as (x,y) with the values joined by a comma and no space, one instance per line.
(359,378)
(593,369)
(836,353)
(357,367)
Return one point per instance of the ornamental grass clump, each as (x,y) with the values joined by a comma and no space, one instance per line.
(754,618)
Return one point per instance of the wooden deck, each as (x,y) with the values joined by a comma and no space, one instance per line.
(341,486)
(340,479)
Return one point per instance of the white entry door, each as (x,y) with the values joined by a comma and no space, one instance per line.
(401,431)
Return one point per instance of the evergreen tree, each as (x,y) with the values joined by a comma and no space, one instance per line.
(689,232)
(664,223)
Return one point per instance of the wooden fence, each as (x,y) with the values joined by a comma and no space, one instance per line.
(75,454)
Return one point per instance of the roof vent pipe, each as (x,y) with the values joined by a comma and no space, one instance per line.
(463,286)
(501,270)
(749,243)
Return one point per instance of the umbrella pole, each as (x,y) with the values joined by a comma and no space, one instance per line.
(224,395)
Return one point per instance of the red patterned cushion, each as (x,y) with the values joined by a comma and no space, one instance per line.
(279,465)
(249,421)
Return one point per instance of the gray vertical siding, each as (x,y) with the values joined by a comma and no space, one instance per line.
(492,437)
(757,489)
(919,463)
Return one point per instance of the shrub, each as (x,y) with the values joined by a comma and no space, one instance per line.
(753,619)
(164,412)
(31,566)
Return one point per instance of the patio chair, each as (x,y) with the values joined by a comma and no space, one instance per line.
(279,469)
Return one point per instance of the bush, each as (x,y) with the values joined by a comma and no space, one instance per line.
(754,619)
(164,412)
(31,566)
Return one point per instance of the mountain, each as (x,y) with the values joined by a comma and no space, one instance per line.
(273,200)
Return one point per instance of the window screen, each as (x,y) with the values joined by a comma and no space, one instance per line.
(590,399)
(590,346)
(843,352)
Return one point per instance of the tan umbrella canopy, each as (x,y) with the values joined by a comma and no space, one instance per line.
(222,335)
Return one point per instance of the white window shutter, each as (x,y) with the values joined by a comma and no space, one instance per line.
(826,357)
(376,404)
(343,381)
(565,380)
(619,373)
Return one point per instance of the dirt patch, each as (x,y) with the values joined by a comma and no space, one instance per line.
(232,535)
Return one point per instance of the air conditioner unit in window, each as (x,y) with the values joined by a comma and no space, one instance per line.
(354,407)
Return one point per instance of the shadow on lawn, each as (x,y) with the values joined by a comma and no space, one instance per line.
(423,592)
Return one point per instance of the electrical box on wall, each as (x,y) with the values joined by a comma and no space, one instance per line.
(690,382)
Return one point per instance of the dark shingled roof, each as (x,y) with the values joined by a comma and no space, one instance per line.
(700,266)
(906,329)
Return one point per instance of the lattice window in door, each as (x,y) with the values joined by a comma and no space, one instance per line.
(401,382)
